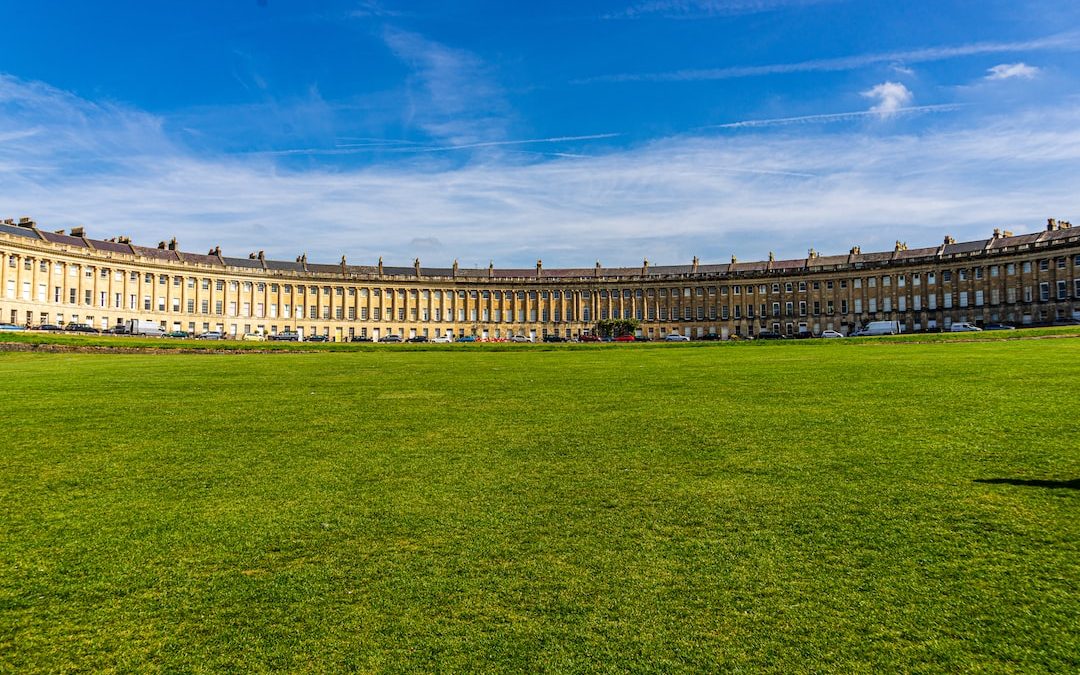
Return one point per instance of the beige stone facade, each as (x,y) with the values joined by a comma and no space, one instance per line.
(59,278)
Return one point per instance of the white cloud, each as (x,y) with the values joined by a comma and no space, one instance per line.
(1005,71)
(117,171)
(1062,42)
(833,117)
(453,94)
(890,96)
(690,9)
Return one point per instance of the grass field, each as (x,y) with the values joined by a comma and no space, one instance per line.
(849,505)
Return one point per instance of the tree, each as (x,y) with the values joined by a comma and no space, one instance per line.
(617,327)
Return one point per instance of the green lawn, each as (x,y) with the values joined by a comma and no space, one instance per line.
(861,505)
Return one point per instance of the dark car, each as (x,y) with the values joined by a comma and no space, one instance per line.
(769,335)
(1067,322)
(117,330)
(81,328)
(47,326)
(589,338)
(804,335)
(178,334)
(285,336)
(998,326)
(554,338)
(711,337)
(391,338)
(359,338)
(467,338)
(417,338)
(317,338)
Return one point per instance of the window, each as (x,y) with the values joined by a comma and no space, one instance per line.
(1061,290)
(1044,291)
(946,275)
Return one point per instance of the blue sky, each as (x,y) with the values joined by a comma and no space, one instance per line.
(571,132)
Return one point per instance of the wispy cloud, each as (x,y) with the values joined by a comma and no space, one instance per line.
(1005,71)
(528,141)
(373,9)
(1062,41)
(118,171)
(833,117)
(453,94)
(693,9)
(412,146)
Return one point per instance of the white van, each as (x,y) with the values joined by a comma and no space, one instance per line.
(964,327)
(147,328)
(881,328)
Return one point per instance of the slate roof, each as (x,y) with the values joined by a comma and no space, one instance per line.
(529,273)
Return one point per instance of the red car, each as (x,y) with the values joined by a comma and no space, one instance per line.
(626,338)
(589,338)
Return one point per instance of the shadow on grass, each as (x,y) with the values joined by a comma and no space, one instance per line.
(1066,484)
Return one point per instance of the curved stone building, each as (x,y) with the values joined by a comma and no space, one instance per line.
(59,278)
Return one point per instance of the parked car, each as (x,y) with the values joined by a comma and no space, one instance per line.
(710,337)
(521,338)
(589,338)
(831,334)
(210,335)
(360,338)
(804,335)
(253,337)
(317,338)
(769,335)
(675,337)
(1067,322)
(391,338)
(11,326)
(47,326)
(551,337)
(467,338)
(79,328)
(998,326)
(443,339)
(626,338)
(178,334)
(418,339)
(285,336)
(116,330)
(964,327)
